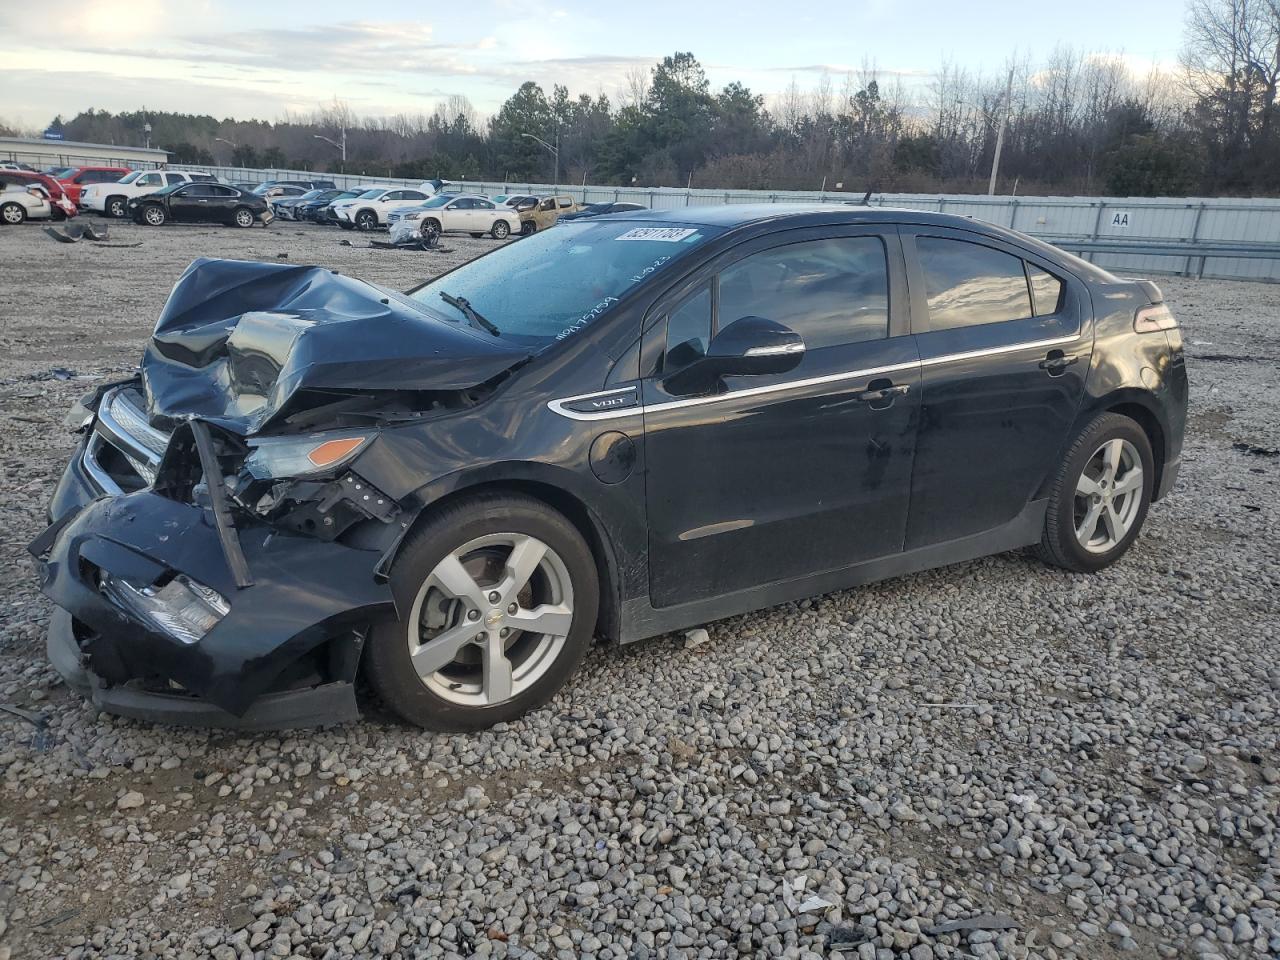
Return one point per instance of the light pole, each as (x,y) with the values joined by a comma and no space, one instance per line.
(146,129)
(555,152)
(341,146)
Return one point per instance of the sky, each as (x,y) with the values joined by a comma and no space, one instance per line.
(235,58)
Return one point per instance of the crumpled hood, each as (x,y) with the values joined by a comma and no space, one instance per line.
(239,340)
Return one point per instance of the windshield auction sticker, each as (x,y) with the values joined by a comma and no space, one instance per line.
(660,234)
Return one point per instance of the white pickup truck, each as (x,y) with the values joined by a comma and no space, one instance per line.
(112,199)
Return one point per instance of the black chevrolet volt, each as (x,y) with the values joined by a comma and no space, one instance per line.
(622,427)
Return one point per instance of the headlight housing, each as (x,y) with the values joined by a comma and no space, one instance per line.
(411,216)
(313,454)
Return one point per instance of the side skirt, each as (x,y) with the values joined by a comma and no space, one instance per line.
(641,620)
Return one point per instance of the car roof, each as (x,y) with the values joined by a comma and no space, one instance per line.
(741,214)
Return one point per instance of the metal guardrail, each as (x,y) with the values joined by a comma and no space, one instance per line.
(1193,251)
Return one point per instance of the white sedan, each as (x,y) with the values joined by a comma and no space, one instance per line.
(454,214)
(20,202)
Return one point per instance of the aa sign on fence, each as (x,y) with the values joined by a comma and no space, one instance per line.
(1120,219)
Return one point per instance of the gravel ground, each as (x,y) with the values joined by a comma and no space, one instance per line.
(1085,765)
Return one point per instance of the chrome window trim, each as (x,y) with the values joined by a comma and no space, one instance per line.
(994,351)
(557,406)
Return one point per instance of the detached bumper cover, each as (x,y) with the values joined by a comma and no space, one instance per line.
(305,593)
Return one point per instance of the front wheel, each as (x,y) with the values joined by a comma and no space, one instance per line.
(153,215)
(499,597)
(528,227)
(1100,496)
(366,220)
(243,217)
(501,230)
(13,213)
(117,207)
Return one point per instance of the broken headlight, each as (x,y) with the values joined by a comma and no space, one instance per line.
(79,416)
(280,458)
(411,216)
(183,608)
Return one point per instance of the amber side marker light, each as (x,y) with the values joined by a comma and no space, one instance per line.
(331,451)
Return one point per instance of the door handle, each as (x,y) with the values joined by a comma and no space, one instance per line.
(879,395)
(1056,362)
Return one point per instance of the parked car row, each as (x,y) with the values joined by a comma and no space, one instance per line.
(155,197)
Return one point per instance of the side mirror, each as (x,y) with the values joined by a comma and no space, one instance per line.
(751,346)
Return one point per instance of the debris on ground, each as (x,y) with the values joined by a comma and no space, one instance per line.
(983,921)
(1256,451)
(695,637)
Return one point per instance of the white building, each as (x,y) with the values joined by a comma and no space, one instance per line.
(41,153)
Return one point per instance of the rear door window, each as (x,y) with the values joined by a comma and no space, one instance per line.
(968,284)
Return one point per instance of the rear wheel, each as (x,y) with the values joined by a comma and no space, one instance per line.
(1100,496)
(117,207)
(501,230)
(499,596)
(153,215)
(13,213)
(243,217)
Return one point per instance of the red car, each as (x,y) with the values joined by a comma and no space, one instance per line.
(63,206)
(75,179)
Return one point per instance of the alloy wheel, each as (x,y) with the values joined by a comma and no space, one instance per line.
(154,216)
(13,213)
(244,218)
(491,619)
(1108,496)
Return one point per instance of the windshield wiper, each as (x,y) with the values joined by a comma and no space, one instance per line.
(463,305)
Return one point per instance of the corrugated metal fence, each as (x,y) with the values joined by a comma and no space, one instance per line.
(1136,220)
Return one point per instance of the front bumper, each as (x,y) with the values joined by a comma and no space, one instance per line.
(284,655)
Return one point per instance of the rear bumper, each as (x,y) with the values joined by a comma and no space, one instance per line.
(284,655)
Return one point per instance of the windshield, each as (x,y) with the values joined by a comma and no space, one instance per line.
(130,177)
(169,189)
(371,194)
(310,195)
(437,201)
(62,173)
(549,286)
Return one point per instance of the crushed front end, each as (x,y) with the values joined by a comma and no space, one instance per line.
(214,548)
(171,610)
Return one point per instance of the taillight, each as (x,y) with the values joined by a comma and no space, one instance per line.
(1154,318)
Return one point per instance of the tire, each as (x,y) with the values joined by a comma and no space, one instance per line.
(480,532)
(242,217)
(153,215)
(527,228)
(366,220)
(501,230)
(13,214)
(116,207)
(1093,516)
(431,224)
